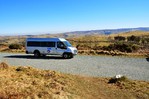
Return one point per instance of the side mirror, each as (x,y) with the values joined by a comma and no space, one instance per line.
(64,47)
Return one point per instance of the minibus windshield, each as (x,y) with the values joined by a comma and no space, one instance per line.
(67,44)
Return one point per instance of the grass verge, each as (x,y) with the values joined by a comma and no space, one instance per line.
(27,82)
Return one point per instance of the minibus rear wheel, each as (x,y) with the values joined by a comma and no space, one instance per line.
(36,53)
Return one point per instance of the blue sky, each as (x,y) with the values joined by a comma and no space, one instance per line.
(21,17)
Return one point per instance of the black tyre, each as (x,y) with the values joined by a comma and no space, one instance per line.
(43,55)
(36,53)
(70,55)
(65,55)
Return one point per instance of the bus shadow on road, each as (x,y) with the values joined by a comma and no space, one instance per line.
(147,59)
(32,57)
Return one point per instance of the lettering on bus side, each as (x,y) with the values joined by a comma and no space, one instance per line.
(48,50)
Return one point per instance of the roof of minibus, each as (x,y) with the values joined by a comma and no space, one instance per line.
(45,39)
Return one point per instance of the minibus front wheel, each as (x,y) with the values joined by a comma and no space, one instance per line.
(67,55)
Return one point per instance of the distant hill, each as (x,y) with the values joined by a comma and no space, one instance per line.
(75,34)
(114,32)
(107,31)
(83,33)
(130,33)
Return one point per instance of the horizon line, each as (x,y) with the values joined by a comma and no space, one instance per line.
(41,33)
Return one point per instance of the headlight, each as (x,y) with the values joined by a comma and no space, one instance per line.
(75,51)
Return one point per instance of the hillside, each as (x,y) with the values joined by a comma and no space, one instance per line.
(92,44)
(29,83)
(78,34)
(136,33)
(105,31)
(83,33)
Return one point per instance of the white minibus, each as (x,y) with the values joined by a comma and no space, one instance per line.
(50,46)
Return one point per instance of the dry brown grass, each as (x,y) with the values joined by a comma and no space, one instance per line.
(5,48)
(27,82)
(136,33)
(85,43)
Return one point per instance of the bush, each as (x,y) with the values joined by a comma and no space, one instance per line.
(133,38)
(2,44)
(15,46)
(108,48)
(119,38)
(135,47)
(121,46)
(145,40)
(23,43)
(97,47)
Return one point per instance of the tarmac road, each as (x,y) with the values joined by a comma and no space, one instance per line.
(96,66)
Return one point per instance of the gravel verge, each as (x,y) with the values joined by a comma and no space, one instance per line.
(96,66)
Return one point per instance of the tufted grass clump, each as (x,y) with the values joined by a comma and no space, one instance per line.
(3,65)
(15,46)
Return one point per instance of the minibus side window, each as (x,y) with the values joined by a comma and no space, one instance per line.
(33,43)
(40,44)
(61,45)
(50,44)
(43,44)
